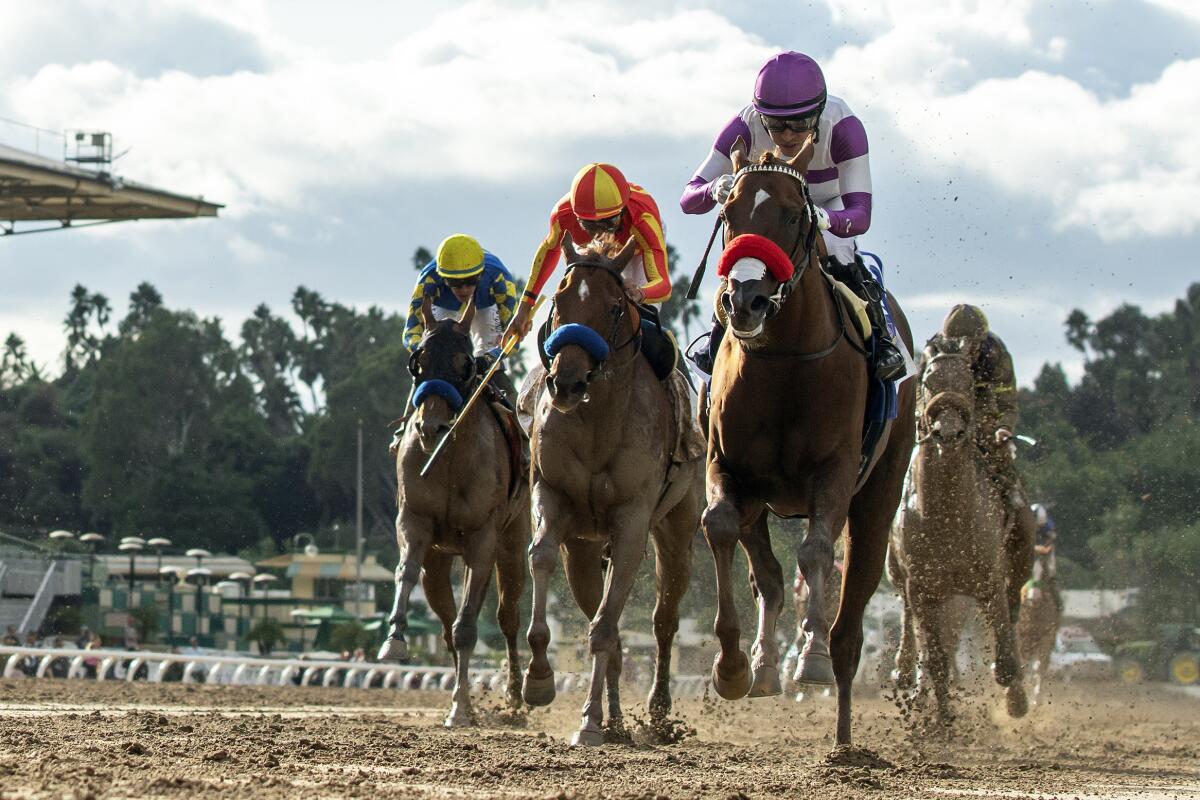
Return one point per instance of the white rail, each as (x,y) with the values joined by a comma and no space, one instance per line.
(235,669)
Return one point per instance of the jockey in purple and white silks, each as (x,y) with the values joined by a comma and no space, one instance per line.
(790,104)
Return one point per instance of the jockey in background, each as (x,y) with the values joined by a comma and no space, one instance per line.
(965,330)
(1045,564)
(790,105)
(601,202)
(462,269)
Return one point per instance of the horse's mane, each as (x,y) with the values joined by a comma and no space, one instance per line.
(603,246)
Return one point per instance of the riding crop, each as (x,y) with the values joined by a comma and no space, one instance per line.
(510,342)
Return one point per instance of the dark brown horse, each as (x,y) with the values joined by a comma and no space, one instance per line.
(604,477)
(952,538)
(472,504)
(789,394)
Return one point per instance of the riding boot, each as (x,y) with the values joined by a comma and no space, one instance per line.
(707,356)
(888,361)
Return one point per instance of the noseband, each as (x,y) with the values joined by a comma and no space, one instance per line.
(958,401)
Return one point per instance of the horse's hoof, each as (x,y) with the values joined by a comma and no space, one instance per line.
(458,717)
(903,681)
(587,736)
(394,650)
(538,691)
(766,682)
(1017,702)
(814,668)
(735,686)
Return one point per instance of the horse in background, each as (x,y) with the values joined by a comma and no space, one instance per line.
(605,475)
(789,396)
(1037,626)
(474,503)
(950,538)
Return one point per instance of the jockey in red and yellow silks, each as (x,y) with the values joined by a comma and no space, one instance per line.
(602,201)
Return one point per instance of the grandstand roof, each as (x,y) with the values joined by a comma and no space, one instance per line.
(35,189)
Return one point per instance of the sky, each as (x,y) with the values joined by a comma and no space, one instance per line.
(1028,157)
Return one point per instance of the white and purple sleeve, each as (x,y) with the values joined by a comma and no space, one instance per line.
(848,150)
(696,198)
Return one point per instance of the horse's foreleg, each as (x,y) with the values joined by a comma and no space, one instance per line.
(815,558)
(627,545)
(415,535)
(866,551)
(673,566)
(906,653)
(480,558)
(767,576)
(549,511)
(510,584)
(934,656)
(1007,668)
(721,521)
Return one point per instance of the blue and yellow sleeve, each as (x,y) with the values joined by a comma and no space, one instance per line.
(504,293)
(414,328)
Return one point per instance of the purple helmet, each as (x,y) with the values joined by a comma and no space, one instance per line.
(789,85)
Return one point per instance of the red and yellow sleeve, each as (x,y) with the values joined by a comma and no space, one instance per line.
(544,261)
(653,248)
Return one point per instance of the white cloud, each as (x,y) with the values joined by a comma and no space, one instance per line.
(1186,8)
(485,91)
(1123,167)
(248,252)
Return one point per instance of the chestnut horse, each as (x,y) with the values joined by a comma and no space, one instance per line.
(788,397)
(471,504)
(603,439)
(951,538)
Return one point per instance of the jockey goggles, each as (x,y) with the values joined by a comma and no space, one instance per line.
(803,124)
(462,283)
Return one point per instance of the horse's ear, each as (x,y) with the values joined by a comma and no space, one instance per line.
(801,160)
(626,254)
(427,318)
(467,316)
(569,251)
(739,154)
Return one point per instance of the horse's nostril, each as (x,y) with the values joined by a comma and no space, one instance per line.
(758,304)
(727,303)
(579,387)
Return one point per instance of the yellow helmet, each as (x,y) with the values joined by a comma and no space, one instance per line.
(459,256)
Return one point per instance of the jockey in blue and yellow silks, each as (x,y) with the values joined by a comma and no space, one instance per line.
(461,269)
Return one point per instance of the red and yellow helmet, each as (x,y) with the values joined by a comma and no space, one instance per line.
(599,191)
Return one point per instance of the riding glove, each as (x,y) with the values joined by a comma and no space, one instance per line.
(720,188)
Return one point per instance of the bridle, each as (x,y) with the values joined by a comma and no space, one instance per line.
(809,237)
(959,401)
(626,309)
(463,386)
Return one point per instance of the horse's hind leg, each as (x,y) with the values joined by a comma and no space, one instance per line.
(627,544)
(480,559)
(721,521)
(435,578)
(767,577)
(510,584)
(1007,668)
(415,534)
(673,568)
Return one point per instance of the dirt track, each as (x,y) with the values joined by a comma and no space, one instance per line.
(73,739)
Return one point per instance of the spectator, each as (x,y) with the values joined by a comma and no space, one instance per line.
(130,637)
(29,664)
(59,666)
(85,636)
(91,663)
(10,636)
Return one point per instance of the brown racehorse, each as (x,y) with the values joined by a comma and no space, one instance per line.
(1037,626)
(603,436)
(471,504)
(789,393)
(952,538)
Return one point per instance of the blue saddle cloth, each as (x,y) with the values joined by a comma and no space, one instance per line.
(881,395)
